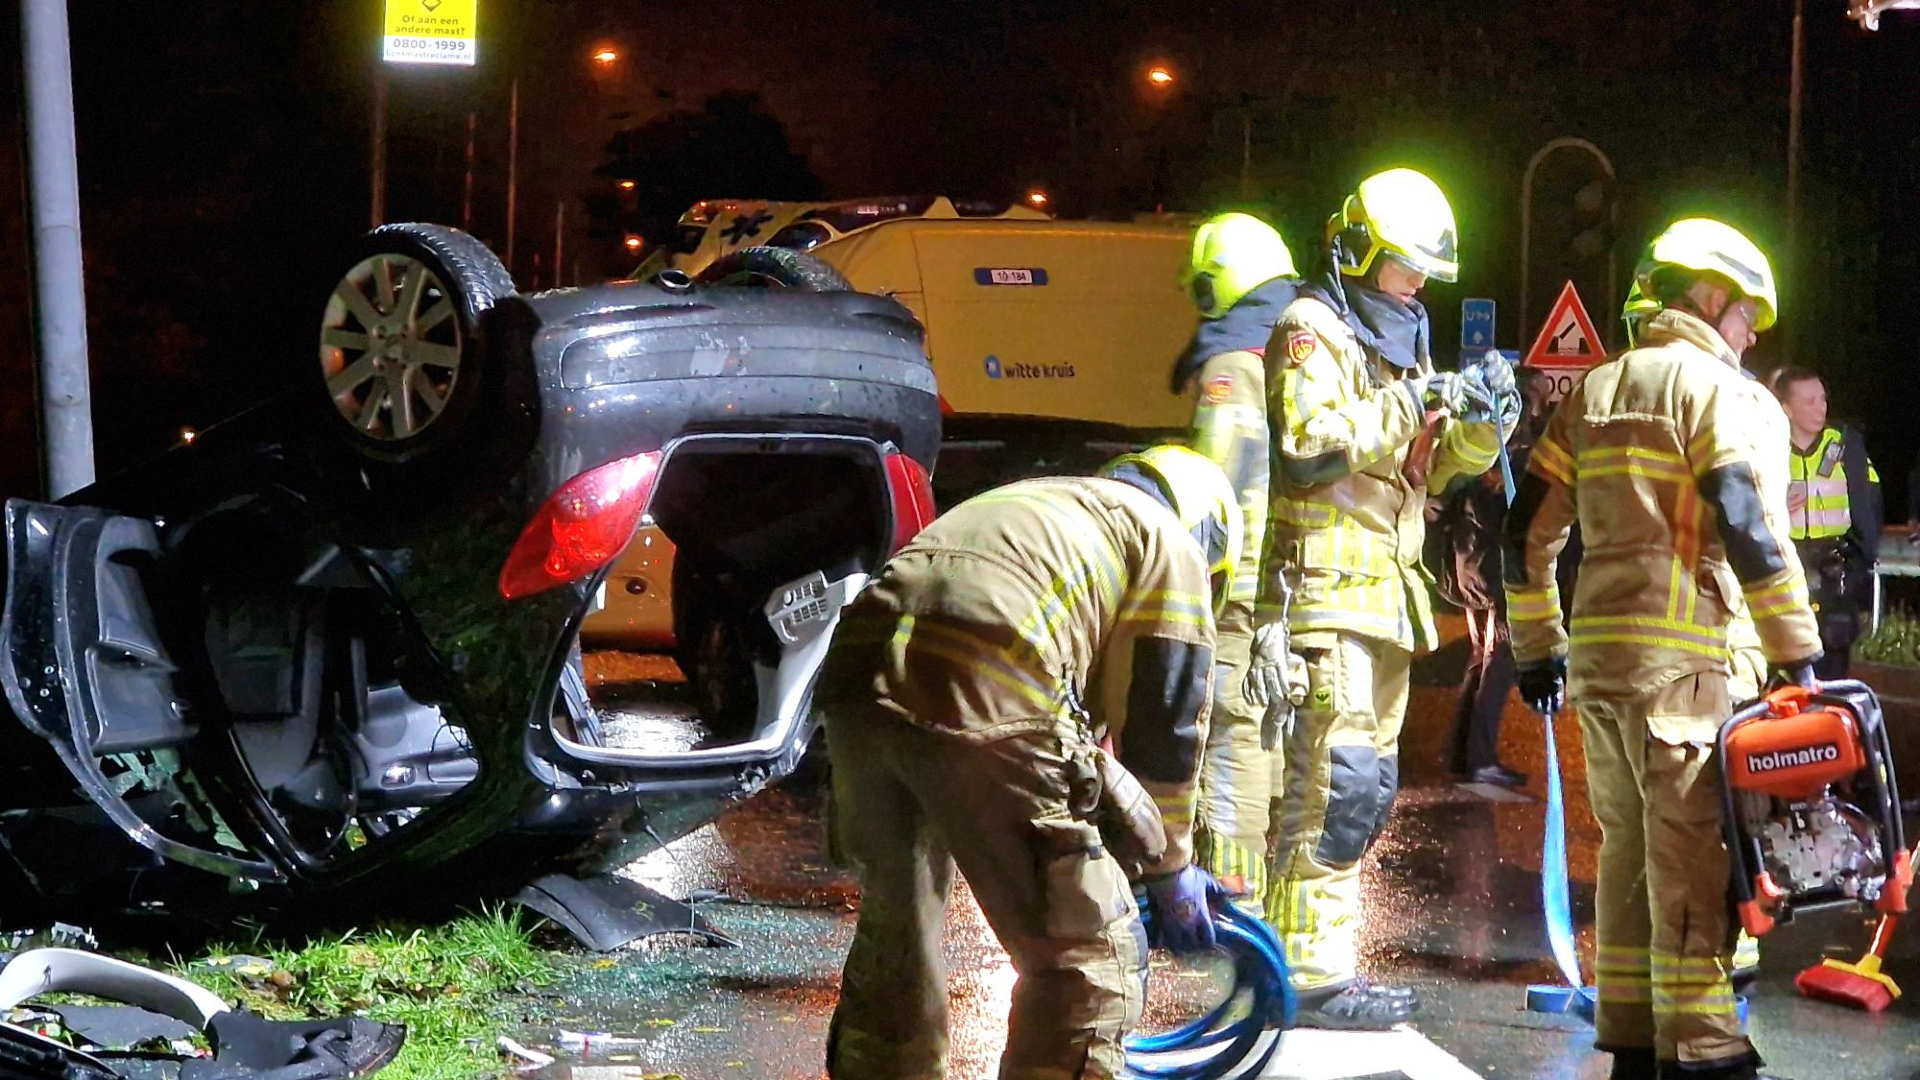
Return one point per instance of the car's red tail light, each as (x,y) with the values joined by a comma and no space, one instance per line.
(582,527)
(912,492)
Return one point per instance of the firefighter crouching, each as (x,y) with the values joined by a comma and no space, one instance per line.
(1666,459)
(1241,277)
(965,697)
(1363,427)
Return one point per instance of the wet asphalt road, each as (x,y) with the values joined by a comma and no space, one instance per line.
(1452,891)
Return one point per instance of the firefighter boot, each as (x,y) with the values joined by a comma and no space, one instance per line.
(1357,1006)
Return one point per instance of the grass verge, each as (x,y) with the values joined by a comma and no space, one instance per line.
(1896,642)
(450,984)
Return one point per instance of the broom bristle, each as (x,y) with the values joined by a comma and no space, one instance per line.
(1842,987)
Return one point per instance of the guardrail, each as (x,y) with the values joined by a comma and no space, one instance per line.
(1899,557)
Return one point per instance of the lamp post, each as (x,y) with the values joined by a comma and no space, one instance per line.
(1162,78)
(59,285)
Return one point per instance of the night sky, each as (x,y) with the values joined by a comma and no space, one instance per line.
(224,153)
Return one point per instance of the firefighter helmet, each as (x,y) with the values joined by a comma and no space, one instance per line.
(1188,483)
(1704,245)
(1404,214)
(1232,255)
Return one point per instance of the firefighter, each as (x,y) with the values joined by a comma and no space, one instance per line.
(1667,460)
(1364,427)
(966,696)
(1241,277)
(1746,660)
(1833,510)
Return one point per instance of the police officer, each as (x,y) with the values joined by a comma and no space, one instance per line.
(966,695)
(1241,277)
(1664,457)
(1364,427)
(1833,506)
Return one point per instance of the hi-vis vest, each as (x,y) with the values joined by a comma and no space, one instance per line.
(1817,491)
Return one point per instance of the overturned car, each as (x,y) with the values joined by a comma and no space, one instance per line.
(323,659)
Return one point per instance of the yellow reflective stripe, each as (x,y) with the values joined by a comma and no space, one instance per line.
(1652,470)
(1717,1007)
(1686,527)
(1701,449)
(1553,461)
(1175,809)
(1306,515)
(1649,630)
(1057,605)
(1599,454)
(1533,605)
(1781,599)
(1666,961)
(983,658)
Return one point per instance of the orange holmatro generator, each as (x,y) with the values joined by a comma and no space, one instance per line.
(1812,813)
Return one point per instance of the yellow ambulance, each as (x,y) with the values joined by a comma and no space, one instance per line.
(1052,341)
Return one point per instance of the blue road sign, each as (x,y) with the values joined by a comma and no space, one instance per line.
(1476,323)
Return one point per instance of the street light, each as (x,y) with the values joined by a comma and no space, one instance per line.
(1159,76)
(1867,12)
(606,56)
(633,243)
(626,185)
(1037,199)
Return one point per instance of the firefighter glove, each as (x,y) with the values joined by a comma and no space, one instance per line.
(1543,684)
(1446,391)
(1276,723)
(1275,674)
(1800,674)
(1182,922)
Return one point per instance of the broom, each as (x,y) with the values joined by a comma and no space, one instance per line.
(1859,985)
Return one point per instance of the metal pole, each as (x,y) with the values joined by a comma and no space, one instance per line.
(1793,143)
(466,198)
(378,166)
(60,295)
(1526,214)
(559,240)
(513,164)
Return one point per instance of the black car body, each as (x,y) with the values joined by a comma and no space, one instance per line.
(323,658)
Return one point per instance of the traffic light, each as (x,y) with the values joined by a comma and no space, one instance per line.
(1591,218)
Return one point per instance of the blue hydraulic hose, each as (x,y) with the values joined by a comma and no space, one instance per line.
(1555,893)
(1261,983)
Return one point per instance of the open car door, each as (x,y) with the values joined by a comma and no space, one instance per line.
(85,667)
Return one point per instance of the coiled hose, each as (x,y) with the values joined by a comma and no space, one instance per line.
(1240,1035)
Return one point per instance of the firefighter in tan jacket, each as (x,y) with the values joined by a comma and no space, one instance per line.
(1241,277)
(1667,460)
(1363,428)
(966,696)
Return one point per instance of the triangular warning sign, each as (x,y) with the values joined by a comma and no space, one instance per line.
(1567,338)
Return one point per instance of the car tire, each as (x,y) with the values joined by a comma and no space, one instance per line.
(776,268)
(403,349)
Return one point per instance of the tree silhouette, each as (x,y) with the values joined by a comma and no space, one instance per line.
(733,147)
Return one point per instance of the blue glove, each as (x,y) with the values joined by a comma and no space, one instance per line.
(1182,920)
